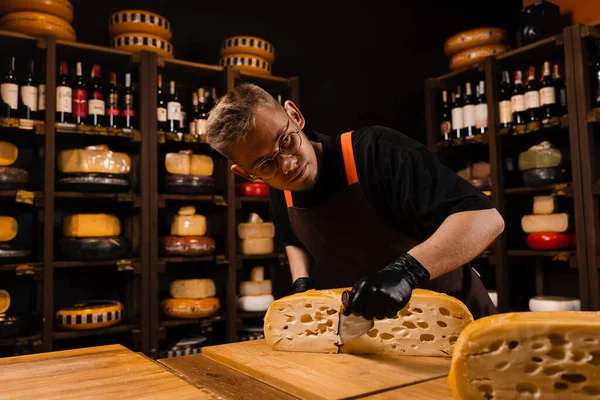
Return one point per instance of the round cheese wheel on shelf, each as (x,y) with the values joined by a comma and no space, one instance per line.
(256,246)
(246,63)
(8,228)
(187,245)
(63,9)
(92,314)
(550,241)
(185,347)
(475,55)
(12,253)
(135,42)
(128,21)
(484,36)
(8,153)
(252,189)
(192,288)
(12,178)
(554,303)
(248,45)
(93,248)
(38,24)
(255,303)
(4,301)
(190,308)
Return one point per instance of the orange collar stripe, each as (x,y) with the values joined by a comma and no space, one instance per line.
(288,198)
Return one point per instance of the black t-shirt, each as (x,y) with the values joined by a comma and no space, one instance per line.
(400,177)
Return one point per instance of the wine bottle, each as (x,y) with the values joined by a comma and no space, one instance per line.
(173,110)
(183,113)
(96,103)
(445,118)
(457,114)
(9,91)
(504,104)
(203,109)
(64,95)
(128,106)
(80,105)
(548,107)
(468,112)
(29,94)
(561,90)
(161,108)
(41,100)
(517,100)
(532,97)
(113,114)
(481,110)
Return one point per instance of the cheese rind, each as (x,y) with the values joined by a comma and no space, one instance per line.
(192,288)
(8,154)
(96,159)
(8,228)
(544,355)
(91,225)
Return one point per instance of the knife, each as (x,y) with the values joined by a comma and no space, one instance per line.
(352,326)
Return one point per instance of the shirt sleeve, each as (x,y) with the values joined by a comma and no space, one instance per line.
(278,214)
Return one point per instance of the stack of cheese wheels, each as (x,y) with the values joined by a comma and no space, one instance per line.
(189,173)
(471,47)
(94,168)
(191,298)
(248,54)
(188,235)
(541,165)
(11,178)
(93,237)
(137,30)
(92,314)
(256,294)
(38,18)
(548,228)
(256,236)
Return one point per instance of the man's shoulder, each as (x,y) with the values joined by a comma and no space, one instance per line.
(378,136)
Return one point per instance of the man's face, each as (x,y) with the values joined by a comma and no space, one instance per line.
(274,128)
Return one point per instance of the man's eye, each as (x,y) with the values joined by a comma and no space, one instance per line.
(263,166)
(285,140)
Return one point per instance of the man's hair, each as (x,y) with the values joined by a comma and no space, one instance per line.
(233,114)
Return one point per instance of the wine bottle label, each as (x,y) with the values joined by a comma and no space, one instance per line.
(10,94)
(547,95)
(468,116)
(517,103)
(457,118)
(445,128)
(505,112)
(96,107)
(532,99)
(161,114)
(174,110)
(201,126)
(29,97)
(80,105)
(481,115)
(128,108)
(128,112)
(41,97)
(64,99)
(113,105)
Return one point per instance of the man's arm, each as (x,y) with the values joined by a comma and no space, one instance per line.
(300,262)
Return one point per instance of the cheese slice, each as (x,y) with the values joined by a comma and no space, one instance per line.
(188,225)
(546,223)
(530,355)
(186,163)
(192,288)
(8,154)
(251,247)
(8,228)
(91,225)
(97,159)
(429,325)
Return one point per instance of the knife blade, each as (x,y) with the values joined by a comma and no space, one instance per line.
(352,326)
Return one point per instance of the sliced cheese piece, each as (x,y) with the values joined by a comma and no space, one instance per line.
(190,308)
(192,288)
(255,303)
(554,303)
(546,223)
(186,163)
(97,159)
(541,355)
(188,225)
(250,288)
(257,274)
(8,228)
(8,154)
(4,301)
(251,247)
(91,225)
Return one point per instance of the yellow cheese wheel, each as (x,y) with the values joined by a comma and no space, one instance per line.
(475,55)
(246,63)
(8,228)
(248,45)
(90,315)
(38,24)
(8,153)
(190,308)
(4,301)
(128,21)
(93,159)
(484,36)
(91,225)
(61,8)
(135,42)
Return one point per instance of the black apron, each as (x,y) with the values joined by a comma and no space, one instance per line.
(362,242)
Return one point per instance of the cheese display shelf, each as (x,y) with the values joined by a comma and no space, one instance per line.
(535,171)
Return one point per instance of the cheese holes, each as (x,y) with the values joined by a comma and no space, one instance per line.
(557,339)
(323,308)
(494,346)
(409,325)
(307,305)
(306,319)
(532,368)
(290,318)
(386,336)
(417,310)
(591,390)
(573,378)
(537,359)
(537,345)
(577,355)
(442,324)
(527,388)
(426,337)
(453,339)
(444,311)
(503,365)
(590,340)
(557,354)
(487,391)
(423,325)
(595,360)
(373,333)
(560,386)
(513,344)
(331,311)
(404,313)
(551,371)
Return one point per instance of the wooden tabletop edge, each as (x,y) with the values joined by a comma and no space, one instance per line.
(392,388)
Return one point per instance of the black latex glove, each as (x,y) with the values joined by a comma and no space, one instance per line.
(302,285)
(384,293)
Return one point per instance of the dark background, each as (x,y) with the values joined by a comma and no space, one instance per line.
(357,66)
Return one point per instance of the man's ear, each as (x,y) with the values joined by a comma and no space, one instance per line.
(294,113)
(243,173)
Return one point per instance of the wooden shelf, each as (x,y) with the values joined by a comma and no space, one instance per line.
(132,264)
(169,323)
(261,256)
(251,314)
(569,256)
(557,189)
(120,197)
(526,51)
(218,259)
(12,341)
(215,199)
(120,328)
(463,142)
(25,197)
(596,188)
(250,199)
(133,135)
(22,268)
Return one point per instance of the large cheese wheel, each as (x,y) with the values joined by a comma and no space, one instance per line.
(255,303)
(248,45)
(61,8)
(252,189)
(246,63)
(91,225)
(190,308)
(192,288)
(127,21)
(93,159)
(550,241)
(8,153)
(93,248)
(38,24)
(474,38)
(475,55)
(554,303)
(542,155)
(187,245)
(4,301)
(90,315)
(534,223)
(186,163)
(136,42)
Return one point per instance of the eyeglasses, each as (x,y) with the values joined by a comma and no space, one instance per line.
(289,144)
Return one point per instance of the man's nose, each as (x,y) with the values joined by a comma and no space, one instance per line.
(288,163)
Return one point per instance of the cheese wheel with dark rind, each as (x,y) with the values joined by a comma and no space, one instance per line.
(190,308)
(93,314)
(127,21)
(187,245)
(38,24)
(134,42)
(475,55)
(248,45)
(474,38)
(63,9)
(246,63)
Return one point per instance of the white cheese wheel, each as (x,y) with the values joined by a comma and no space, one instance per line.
(188,225)
(246,63)
(127,21)
(8,154)
(255,288)
(192,288)
(4,301)
(248,45)
(554,303)
(93,314)
(91,225)
(135,42)
(545,223)
(255,303)
(38,24)
(94,159)
(8,228)
(470,57)
(257,274)
(474,38)
(190,308)
(63,9)
(251,247)
(186,163)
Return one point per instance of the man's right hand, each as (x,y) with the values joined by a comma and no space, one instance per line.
(302,285)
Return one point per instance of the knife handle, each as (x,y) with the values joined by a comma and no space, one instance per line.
(347,297)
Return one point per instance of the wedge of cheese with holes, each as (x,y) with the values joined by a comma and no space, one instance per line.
(530,355)
(186,163)
(429,325)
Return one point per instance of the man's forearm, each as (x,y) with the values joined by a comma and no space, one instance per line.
(300,262)
(460,238)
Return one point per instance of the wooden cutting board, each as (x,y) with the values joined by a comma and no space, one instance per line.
(326,376)
(107,372)
(437,389)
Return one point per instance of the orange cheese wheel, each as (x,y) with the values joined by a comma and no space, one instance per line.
(135,42)
(246,63)
(129,21)
(61,8)
(190,308)
(474,38)
(38,24)
(248,45)
(475,55)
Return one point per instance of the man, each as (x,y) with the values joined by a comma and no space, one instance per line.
(372,209)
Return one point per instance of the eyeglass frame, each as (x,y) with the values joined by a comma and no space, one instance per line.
(278,152)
